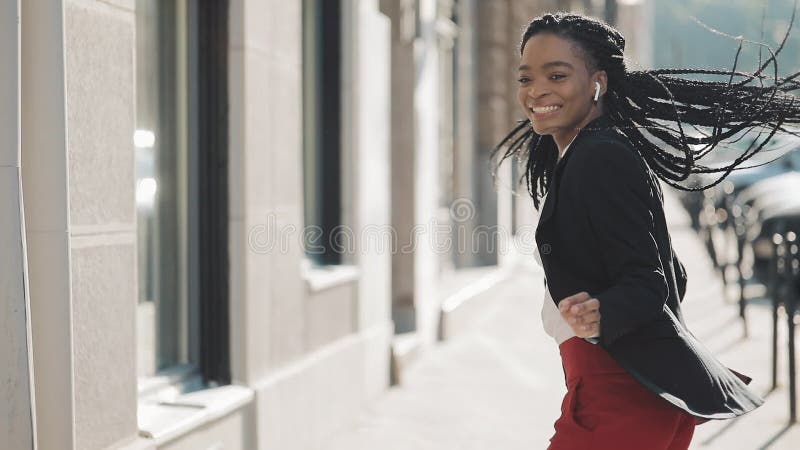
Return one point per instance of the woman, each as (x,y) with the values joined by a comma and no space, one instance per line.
(636,377)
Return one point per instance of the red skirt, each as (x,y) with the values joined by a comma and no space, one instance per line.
(606,408)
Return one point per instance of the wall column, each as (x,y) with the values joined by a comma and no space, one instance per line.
(16,404)
(47,219)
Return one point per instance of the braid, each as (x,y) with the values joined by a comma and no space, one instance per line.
(653,108)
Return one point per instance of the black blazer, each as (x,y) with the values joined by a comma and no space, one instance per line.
(602,230)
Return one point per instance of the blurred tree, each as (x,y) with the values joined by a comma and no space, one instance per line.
(680,41)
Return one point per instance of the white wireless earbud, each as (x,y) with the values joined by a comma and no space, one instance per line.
(596,90)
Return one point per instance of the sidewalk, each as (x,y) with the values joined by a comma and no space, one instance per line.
(500,385)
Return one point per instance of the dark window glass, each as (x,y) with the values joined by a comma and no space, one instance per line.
(322,128)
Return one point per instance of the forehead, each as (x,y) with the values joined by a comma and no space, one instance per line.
(546,47)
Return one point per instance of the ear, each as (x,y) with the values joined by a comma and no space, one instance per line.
(601,77)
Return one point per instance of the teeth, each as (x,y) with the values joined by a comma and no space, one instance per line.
(544,109)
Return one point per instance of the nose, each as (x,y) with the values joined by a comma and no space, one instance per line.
(535,93)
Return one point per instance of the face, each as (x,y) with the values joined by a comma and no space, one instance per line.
(556,90)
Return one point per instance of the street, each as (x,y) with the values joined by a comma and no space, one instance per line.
(499,386)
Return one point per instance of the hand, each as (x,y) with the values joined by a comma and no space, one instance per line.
(582,313)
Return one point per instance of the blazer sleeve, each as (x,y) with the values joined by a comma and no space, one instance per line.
(616,197)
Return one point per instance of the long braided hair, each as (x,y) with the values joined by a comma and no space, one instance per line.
(655,108)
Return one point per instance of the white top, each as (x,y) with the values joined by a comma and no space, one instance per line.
(554,325)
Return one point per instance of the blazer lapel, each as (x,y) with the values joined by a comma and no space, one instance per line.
(549,206)
(550,201)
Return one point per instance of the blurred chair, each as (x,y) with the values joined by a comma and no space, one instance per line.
(787,275)
(754,212)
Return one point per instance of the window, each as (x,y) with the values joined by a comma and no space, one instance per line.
(181,157)
(322,128)
(162,188)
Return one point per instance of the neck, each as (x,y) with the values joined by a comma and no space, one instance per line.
(564,138)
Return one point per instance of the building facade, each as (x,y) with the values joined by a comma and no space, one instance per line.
(238,221)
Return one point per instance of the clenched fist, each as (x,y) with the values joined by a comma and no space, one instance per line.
(582,313)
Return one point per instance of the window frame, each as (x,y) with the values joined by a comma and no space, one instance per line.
(205,321)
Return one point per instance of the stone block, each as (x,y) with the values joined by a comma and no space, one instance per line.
(100,115)
(104,338)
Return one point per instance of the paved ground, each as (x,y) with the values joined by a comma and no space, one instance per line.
(500,385)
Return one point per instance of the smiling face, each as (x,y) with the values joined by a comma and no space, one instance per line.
(556,89)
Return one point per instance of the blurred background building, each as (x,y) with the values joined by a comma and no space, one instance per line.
(180,161)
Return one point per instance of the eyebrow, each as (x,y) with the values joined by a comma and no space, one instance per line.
(548,65)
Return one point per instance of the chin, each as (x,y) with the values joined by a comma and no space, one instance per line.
(545,128)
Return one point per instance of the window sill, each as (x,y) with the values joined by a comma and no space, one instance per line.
(166,379)
(165,420)
(320,278)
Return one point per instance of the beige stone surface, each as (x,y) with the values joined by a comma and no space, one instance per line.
(268,26)
(253,111)
(9,84)
(296,407)
(49,259)
(100,97)
(129,5)
(16,398)
(287,296)
(104,300)
(234,432)
(330,315)
(269,310)
(254,252)
(16,409)
(100,105)
(45,184)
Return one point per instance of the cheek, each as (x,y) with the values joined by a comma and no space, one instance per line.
(521,100)
(521,97)
(571,92)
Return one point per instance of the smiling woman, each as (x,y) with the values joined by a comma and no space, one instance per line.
(556,87)
(612,277)
(675,121)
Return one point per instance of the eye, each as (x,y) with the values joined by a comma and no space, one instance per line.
(523,80)
(557,76)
